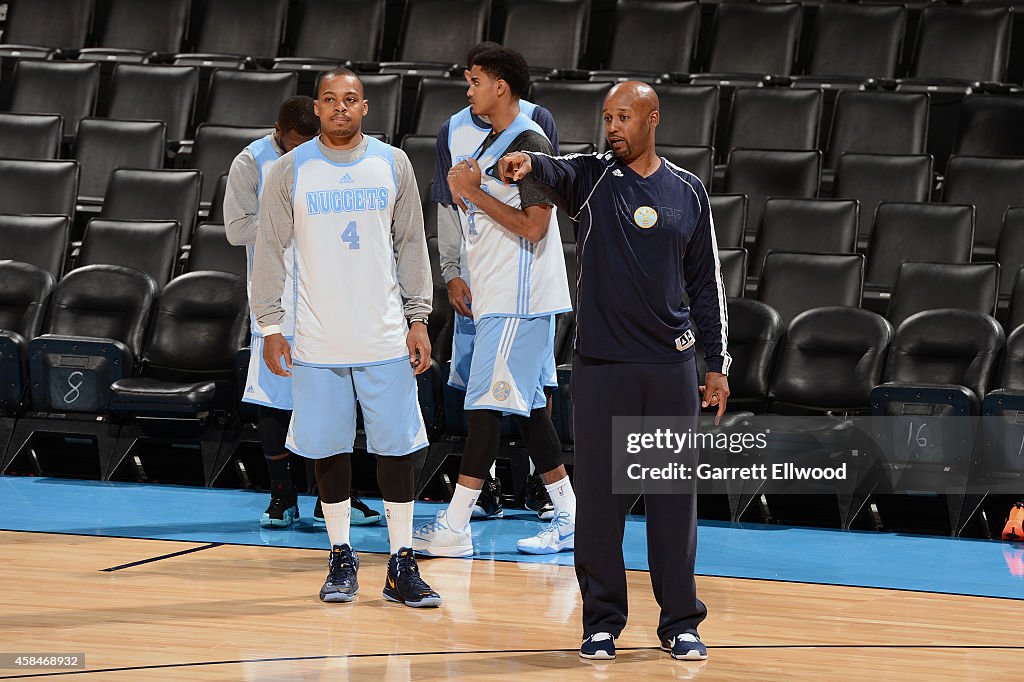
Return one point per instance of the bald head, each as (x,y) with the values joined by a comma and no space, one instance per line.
(633,93)
(630,117)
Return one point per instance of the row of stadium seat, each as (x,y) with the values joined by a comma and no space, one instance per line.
(902,232)
(927,118)
(931,367)
(692,115)
(104,354)
(110,180)
(107,339)
(840,40)
(149,246)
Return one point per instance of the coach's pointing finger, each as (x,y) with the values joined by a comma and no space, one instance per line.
(514,167)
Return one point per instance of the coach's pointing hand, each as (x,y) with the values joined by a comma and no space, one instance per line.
(274,346)
(514,167)
(715,391)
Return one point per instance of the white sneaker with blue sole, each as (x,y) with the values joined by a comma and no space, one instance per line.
(436,538)
(557,536)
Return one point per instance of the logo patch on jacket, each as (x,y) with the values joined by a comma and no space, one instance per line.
(685,341)
(645,217)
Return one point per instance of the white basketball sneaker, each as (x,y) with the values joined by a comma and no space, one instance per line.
(558,536)
(436,538)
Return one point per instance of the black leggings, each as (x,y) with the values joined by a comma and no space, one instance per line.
(485,436)
(273,430)
(395,477)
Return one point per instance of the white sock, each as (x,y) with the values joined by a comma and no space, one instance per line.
(337,515)
(562,496)
(494,469)
(533,467)
(460,509)
(399,524)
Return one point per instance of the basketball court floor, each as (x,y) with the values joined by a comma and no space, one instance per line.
(168,582)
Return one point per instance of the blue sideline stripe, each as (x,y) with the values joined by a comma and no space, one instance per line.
(208,515)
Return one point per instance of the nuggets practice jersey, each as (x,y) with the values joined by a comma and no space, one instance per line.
(510,275)
(264,152)
(348,307)
(465,136)
(464,139)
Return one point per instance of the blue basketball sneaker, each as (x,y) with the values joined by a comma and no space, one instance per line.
(685,647)
(342,584)
(600,645)
(282,511)
(404,584)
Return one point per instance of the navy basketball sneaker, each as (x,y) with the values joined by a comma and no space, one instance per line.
(342,584)
(599,646)
(404,584)
(685,647)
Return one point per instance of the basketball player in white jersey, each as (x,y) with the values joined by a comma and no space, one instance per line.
(349,207)
(272,395)
(459,137)
(296,123)
(515,263)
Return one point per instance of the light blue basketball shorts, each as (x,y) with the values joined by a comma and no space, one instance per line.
(512,362)
(324,414)
(462,353)
(263,387)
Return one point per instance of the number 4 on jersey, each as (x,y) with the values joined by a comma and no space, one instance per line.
(351,236)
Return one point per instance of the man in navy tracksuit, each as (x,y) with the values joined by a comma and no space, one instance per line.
(645,242)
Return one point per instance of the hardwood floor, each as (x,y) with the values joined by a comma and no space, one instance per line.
(226,612)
